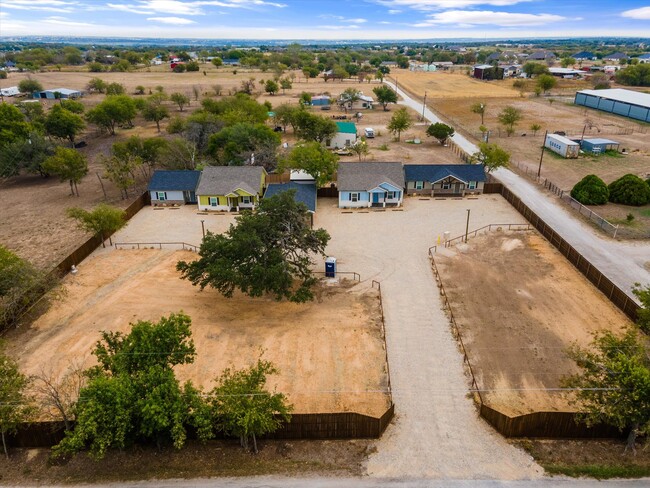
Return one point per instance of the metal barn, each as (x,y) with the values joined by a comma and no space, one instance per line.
(598,145)
(618,101)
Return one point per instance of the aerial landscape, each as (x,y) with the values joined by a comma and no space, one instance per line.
(306,243)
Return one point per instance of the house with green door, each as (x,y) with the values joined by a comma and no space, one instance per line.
(230,188)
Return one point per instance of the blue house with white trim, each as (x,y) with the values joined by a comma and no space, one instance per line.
(370,184)
(444,179)
(173,187)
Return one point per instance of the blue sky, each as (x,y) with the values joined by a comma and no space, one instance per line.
(326,19)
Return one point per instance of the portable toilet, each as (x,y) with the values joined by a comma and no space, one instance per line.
(330,267)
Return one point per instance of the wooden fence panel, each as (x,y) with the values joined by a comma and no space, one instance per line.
(328,192)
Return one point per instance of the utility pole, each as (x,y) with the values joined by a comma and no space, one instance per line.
(467,225)
(539,170)
(424,104)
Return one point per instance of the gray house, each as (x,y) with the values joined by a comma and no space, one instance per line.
(173,187)
(444,179)
(370,184)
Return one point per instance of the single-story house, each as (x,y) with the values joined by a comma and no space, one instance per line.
(416,66)
(370,184)
(488,72)
(346,136)
(175,187)
(320,101)
(644,58)
(511,70)
(362,102)
(10,91)
(618,56)
(542,56)
(63,93)
(230,61)
(305,192)
(230,188)
(443,64)
(598,145)
(584,56)
(444,179)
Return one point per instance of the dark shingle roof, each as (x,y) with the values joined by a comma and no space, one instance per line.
(436,172)
(366,176)
(221,180)
(305,192)
(182,180)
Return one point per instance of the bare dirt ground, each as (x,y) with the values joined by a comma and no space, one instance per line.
(330,352)
(444,84)
(519,304)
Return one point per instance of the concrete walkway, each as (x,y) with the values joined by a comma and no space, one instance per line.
(623,262)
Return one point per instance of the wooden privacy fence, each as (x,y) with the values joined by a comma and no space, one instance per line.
(341,425)
(278,178)
(328,192)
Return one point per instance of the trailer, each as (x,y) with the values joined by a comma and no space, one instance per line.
(562,145)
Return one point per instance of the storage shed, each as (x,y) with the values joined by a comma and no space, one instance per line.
(488,72)
(627,103)
(598,145)
(63,93)
(562,145)
(320,101)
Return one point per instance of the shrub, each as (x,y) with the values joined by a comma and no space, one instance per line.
(179,68)
(629,190)
(3,75)
(591,190)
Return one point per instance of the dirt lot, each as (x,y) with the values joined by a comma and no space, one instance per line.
(519,305)
(443,84)
(330,352)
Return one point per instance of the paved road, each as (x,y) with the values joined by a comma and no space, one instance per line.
(625,263)
(278,482)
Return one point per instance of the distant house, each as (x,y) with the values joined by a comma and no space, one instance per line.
(173,187)
(346,136)
(370,184)
(444,179)
(230,188)
(616,57)
(443,64)
(417,66)
(361,103)
(305,192)
(566,72)
(55,93)
(511,70)
(389,64)
(584,56)
(542,56)
(488,72)
(230,62)
(644,58)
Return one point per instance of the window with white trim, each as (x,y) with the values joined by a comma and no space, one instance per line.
(354,197)
(471,185)
(246,199)
(162,196)
(390,195)
(446,185)
(419,185)
(214,201)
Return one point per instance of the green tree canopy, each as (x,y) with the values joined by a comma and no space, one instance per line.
(591,190)
(643,294)
(400,122)
(629,190)
(479,108)
(546,82)
(234,145)
(133,393)
(385,95)
(155,111)
(103,219)
(614,383)
(69,165)
(13,126)
(25,155)
(15,403)
(267,252)
(532,69)
(179,99)
(243,405)
(491,156)
(440,131)
(271,87)
(509,117)
(310,127)
(634,75)
(63,124)
(113,111)
(237,109)
(30,85)
(314,159)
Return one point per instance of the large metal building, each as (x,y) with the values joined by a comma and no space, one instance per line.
(618,101)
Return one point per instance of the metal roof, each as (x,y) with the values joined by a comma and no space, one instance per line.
(347,127)
(562,139)
(600,141)
(436,172)
(366,176)
(222,180)
(62,91)
(621,95)
(305,192)
(175,180)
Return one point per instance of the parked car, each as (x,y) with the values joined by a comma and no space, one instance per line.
(369,132)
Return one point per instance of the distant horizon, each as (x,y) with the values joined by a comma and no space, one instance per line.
(322,20)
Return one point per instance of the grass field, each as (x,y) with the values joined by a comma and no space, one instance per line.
(519,304)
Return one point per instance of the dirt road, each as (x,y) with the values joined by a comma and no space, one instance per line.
(625,263)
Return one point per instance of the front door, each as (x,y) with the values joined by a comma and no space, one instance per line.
(375,198)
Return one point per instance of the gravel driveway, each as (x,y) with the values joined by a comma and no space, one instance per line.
(437,432)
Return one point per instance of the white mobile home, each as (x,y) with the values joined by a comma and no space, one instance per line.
(562,145)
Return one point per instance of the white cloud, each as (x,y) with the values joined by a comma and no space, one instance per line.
(64,21)
(447,4)
(337,27)
(340,18)
(43,5)
(468,18)
(171,20)
(394,11)
(642,13)
(177,7)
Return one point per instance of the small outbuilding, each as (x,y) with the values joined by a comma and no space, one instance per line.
(598,145)
(174,187)
(563,146)
(320,101)
(53,94)
(488,72)
(10,91)
(345,136)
